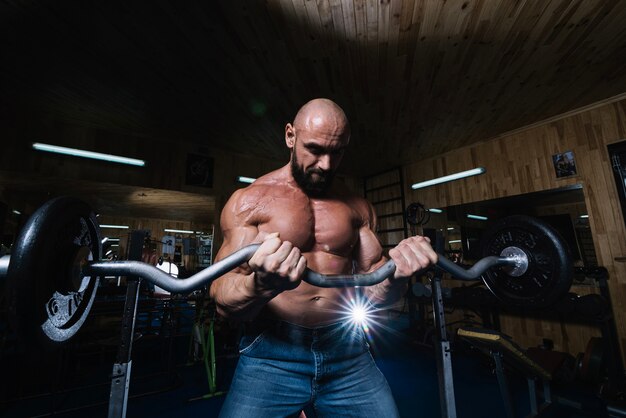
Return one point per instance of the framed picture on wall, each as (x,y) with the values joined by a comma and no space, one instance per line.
(564,164)
(199,170)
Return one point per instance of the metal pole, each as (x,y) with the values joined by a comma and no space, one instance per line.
(120,379)
(442,349)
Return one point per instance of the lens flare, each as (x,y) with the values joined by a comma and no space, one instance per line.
(359,312)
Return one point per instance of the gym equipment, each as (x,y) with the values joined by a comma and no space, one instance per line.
(205,337)
(548,270)
(46,294)
(54,269)
(503,350)
(417,214)
(591,366)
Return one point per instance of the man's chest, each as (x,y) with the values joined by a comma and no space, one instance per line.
(314,224)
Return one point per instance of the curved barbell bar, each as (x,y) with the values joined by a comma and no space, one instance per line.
(167,282)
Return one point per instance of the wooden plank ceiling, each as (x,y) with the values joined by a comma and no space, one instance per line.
(417,77)
(113,199)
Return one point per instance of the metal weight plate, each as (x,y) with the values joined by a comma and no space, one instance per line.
(47,302)
(550,270)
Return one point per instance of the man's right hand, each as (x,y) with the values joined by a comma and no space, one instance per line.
(277,265)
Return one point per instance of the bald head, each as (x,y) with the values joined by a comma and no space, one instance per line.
(322,113)
(317,139)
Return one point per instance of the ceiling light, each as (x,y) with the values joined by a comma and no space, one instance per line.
(107,239)
(477,217)
(243,179)
(88,154)
(584,216)
(114,226)
(451,228)
(179,231)
(451,177)
(435,210)
(17,212)
(454,241)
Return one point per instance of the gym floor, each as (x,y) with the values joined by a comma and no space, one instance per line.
(75,380)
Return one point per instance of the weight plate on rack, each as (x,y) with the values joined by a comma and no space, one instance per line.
(550,270)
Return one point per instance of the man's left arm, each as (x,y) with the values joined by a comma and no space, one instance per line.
(410,256)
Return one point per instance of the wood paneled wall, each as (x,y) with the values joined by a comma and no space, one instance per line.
(166,157)
(156,228)
(165,169)
(521,162)
(384,191)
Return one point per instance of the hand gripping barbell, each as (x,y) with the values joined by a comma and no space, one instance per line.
(54,268)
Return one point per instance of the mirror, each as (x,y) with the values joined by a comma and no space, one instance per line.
(120,209)
(563,208)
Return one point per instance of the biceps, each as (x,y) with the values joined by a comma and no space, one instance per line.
(370,252)
(235,239)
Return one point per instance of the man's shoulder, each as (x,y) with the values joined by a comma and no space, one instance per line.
(263,186)
(271,179)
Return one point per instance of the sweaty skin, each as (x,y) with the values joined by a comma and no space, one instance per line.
(304,219)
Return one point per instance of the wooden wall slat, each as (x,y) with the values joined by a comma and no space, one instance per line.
(521,163)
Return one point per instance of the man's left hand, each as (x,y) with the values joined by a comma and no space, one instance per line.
(412,255)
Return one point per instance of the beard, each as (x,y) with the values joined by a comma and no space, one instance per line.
(312,186)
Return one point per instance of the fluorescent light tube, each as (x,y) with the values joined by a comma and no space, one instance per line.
(17,212)
(450,228)
(584,216)
(243,179)
(454,241)
(88,154)
(114,226)
(180,231)
(107,239)
(451,177)
(435,210)
(477,217)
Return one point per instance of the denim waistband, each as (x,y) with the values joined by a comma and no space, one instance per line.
(298,333)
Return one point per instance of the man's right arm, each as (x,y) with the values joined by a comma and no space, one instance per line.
(276,266)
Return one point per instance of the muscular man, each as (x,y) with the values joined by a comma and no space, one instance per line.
(298,349)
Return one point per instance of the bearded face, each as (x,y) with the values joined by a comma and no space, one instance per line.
(313,181)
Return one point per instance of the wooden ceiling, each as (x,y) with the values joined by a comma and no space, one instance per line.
(112,199)
(416,77)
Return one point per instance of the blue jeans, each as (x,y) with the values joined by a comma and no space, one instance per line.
(287,367)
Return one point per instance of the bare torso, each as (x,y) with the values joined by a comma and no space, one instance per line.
(328,231)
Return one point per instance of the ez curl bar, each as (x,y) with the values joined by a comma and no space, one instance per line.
(54,269)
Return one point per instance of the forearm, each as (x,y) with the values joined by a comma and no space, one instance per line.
(236,296)
(387,292)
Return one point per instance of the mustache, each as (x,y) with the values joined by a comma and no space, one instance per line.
(323,173)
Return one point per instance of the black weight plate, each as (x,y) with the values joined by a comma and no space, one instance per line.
(43,307)
(417,214)
(550,270)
